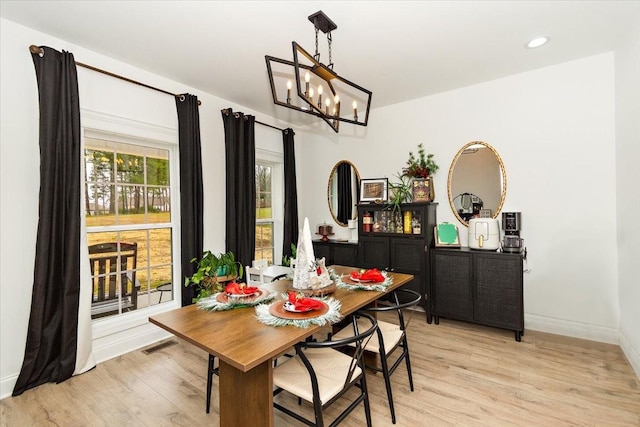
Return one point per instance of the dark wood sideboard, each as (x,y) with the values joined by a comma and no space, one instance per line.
(337,252)
(478,286)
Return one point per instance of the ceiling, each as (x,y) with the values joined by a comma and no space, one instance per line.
(400,50)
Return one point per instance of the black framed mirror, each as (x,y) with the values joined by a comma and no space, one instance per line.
(342,192)
(477,182)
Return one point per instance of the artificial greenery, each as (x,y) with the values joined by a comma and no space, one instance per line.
(211,267)
(421,166)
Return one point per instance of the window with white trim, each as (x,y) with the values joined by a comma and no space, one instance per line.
(264,212)
(130,226)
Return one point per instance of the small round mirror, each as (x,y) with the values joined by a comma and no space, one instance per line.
(342,192)
(477,183)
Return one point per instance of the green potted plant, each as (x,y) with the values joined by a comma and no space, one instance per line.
(213,270)
(399,192)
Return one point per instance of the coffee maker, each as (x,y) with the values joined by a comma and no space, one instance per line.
(511,224)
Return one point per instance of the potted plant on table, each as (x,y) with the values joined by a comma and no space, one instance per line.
(213,271)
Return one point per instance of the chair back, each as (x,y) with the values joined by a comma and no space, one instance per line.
(113,274)
(399,300)
(254,276)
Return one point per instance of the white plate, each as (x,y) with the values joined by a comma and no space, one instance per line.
(243,295)
(288,306)
(359,280)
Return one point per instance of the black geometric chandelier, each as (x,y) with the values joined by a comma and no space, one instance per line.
(321,91)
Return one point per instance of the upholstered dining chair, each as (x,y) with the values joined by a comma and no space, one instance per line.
(389,338)
(321,374)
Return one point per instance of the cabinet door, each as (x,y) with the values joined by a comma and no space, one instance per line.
(323,249)
(345,254)
(498,297)
(408,256)
(451,285)
(373,252)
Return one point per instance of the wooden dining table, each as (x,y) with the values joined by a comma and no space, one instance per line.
(246,348)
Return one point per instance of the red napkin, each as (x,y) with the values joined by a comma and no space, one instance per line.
(372,275)
(234,288)
(304,304)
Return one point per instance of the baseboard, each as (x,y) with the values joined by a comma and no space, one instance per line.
(632,355)
(6,386)
(571,329)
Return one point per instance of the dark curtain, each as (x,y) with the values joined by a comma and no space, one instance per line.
(290,194)
(240,163)
(191,192)
(50,353)
(345,204)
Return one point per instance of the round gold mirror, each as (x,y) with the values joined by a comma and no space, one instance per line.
(477,183)
(342,192)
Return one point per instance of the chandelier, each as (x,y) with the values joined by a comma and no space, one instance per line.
(321,91)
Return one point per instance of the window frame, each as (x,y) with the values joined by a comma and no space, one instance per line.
(105,126)
(276,161)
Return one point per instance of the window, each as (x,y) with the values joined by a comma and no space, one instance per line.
(264,212)
(130,227)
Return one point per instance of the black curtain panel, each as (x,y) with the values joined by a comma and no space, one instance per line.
(240,163)
(191,192)
(345,203)
(290,193)
(50,353)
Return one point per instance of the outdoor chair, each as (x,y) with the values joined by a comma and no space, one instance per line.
(113,274)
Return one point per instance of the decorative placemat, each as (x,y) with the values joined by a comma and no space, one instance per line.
(345,282)
(220,301)
(275,315)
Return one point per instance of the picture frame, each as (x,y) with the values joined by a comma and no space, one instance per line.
(374,190)
(446,235)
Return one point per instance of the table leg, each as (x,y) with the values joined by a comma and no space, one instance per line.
(246,398)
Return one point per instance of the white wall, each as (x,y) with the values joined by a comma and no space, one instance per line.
(19,160)
(555,131)
(628,194)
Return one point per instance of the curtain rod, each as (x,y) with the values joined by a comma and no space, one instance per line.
(271,126)
(39,51)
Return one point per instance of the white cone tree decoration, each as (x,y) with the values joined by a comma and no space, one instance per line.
(309,273)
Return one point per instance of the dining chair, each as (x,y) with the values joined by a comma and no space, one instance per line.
(321,374)
(254,276)
(390,337)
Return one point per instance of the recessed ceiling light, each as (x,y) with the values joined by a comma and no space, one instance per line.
(537,42)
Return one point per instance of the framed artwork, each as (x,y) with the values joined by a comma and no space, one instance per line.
(447,235)
(373,190)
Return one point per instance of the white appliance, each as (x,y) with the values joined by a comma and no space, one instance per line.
(484,233)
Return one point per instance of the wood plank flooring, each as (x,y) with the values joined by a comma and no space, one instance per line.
(463,375)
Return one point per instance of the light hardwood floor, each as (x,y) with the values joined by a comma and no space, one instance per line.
(464,375)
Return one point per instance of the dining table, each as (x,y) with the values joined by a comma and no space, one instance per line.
(246,348)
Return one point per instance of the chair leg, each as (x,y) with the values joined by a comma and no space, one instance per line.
(212,359)
(408,361)
(365,391)
(387,383)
